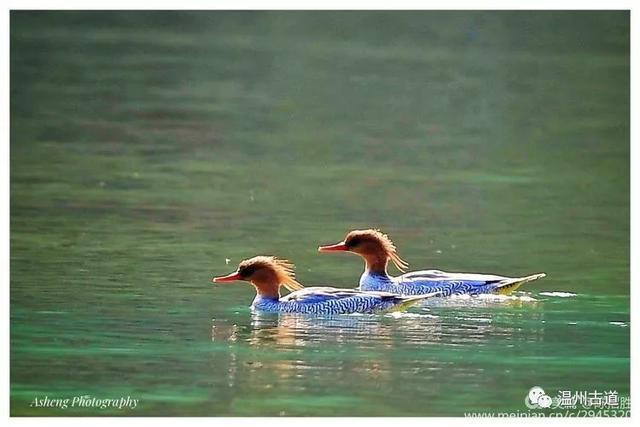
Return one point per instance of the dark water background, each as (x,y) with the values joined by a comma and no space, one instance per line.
(148,148)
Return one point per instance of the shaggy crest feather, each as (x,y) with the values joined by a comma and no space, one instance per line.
(384,240)
(283,268)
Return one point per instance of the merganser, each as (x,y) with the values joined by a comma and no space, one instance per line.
(377,249)
(267,274)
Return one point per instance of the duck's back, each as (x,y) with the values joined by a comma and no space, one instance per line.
(429,281)
(418,282)
(327,300)
(447,284)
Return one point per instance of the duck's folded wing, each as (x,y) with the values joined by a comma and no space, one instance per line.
(322,293)
(443,276)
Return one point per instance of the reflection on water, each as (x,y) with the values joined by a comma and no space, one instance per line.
(372,342)
(476,341)
(294,330)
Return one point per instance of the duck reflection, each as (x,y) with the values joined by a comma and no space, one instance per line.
(445,323)
(296,350)
(298,330)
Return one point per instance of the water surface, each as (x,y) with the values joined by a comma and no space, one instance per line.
(147,149)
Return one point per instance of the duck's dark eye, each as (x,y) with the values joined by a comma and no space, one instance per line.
(246,271)
(353,242)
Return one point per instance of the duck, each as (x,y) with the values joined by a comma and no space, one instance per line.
(268,274)
(377,249)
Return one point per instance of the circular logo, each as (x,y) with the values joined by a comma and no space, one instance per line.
(545,401)
(537,398)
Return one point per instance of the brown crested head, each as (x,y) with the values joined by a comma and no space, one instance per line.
(371,244)
(266,273)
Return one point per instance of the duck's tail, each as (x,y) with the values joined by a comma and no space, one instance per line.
(507,286)
(408,301)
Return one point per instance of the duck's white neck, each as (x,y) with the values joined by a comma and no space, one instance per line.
(376,264)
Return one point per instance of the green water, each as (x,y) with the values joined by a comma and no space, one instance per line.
(149,148)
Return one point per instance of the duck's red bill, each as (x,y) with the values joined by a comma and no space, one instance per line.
(228,278)
(333,248)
